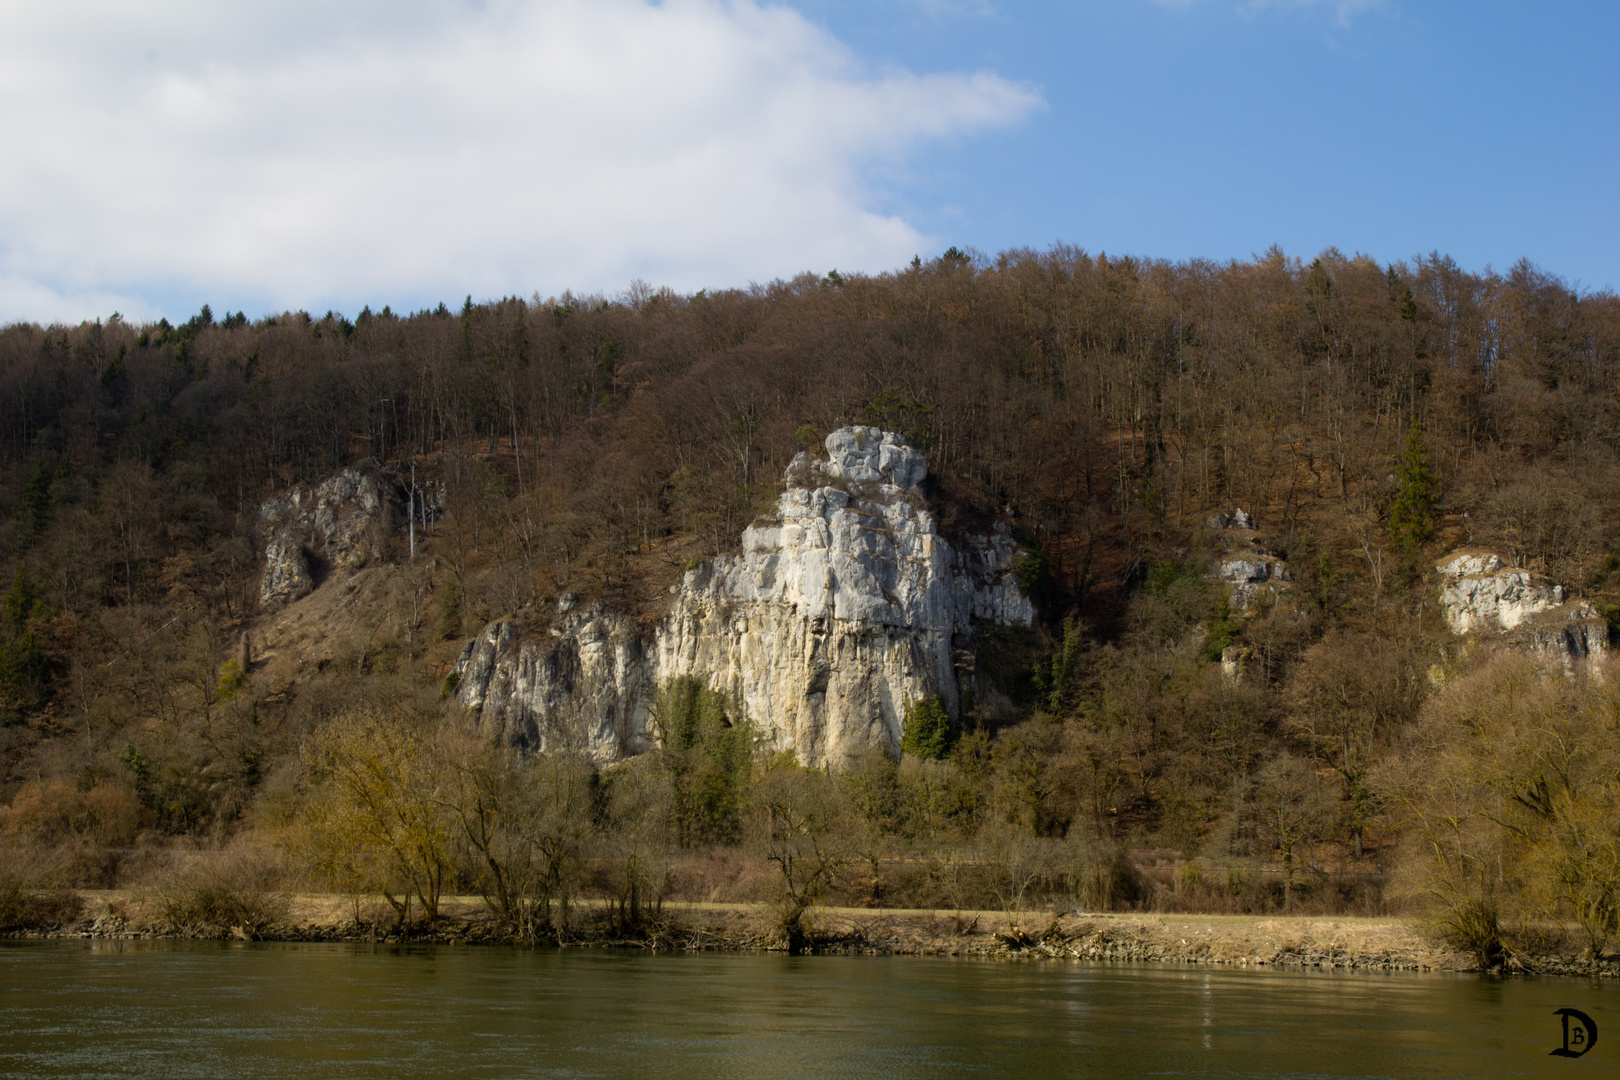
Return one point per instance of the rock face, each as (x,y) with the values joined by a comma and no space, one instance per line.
(286,572)
(341,523)
(587,685)
(1572,639)
(1478,593)
(844,608)
(835,614)
(1251,574)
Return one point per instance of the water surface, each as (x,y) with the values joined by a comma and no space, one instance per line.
(188,1009)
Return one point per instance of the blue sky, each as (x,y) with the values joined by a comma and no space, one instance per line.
(1487,131)
(164,153)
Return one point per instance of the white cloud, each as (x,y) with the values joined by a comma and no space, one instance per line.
(301,153)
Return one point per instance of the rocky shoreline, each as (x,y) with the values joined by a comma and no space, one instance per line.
(1349,944)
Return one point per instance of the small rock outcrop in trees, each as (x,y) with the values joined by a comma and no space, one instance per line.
(1481,595)
(343,522)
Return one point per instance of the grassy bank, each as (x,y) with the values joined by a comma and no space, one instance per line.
(1379,944)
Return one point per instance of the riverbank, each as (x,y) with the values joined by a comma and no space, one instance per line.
(1377,944)
(1385,944)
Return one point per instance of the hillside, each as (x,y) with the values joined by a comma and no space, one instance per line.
(1228,492)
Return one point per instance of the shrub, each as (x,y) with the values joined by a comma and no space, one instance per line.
(53,811)
(708,748)
(27,909)
(1472,927)
(215,893)
(26,903)
(926,732)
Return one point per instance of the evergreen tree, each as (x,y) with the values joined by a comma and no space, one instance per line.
(926,732)
(1413,513)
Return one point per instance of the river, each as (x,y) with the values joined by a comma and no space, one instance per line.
(247,1011)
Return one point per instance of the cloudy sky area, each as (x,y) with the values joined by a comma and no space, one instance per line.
(328,155)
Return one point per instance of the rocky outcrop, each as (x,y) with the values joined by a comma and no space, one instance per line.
(834,615)
(341,523)
(1230,519)
(286,572)
(586,684)
(844,607)
(1480,594)
(1571,638)
(1477,591)
(1252,575)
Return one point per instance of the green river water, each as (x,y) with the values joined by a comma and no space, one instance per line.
(186,1009)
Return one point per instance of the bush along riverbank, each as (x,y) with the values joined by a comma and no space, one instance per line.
(1369,944)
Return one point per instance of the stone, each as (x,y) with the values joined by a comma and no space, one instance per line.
(836,613)
(1235,661)
(1253,576)
(587,688)
(1578,636)
(853,609)
(286,573)
(1477,591)
(342,522)
(869,455)
(1480,593)
(1243,568)
(1230,519)
(1465,563)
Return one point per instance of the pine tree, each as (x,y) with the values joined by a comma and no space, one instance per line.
(1413,513)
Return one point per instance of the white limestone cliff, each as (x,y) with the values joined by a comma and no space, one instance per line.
(586,685)
(834,614)
(1477,592)
(1480,594)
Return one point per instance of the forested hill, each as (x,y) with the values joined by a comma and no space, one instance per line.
(1371,418)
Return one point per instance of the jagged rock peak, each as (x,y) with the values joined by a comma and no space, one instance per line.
(835,614)
(840,611)
(864,455)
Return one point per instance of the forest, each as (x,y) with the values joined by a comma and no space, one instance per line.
(1372,418)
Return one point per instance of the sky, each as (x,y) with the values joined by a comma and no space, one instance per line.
(161,154)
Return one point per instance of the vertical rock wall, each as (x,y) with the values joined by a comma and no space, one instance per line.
(341,523)
(835,614)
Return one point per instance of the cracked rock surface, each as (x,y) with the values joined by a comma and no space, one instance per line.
(835,613)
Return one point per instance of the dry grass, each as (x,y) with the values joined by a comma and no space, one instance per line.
(212,894)
(31,896)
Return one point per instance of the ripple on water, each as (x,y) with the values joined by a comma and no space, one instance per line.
(183,1009)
